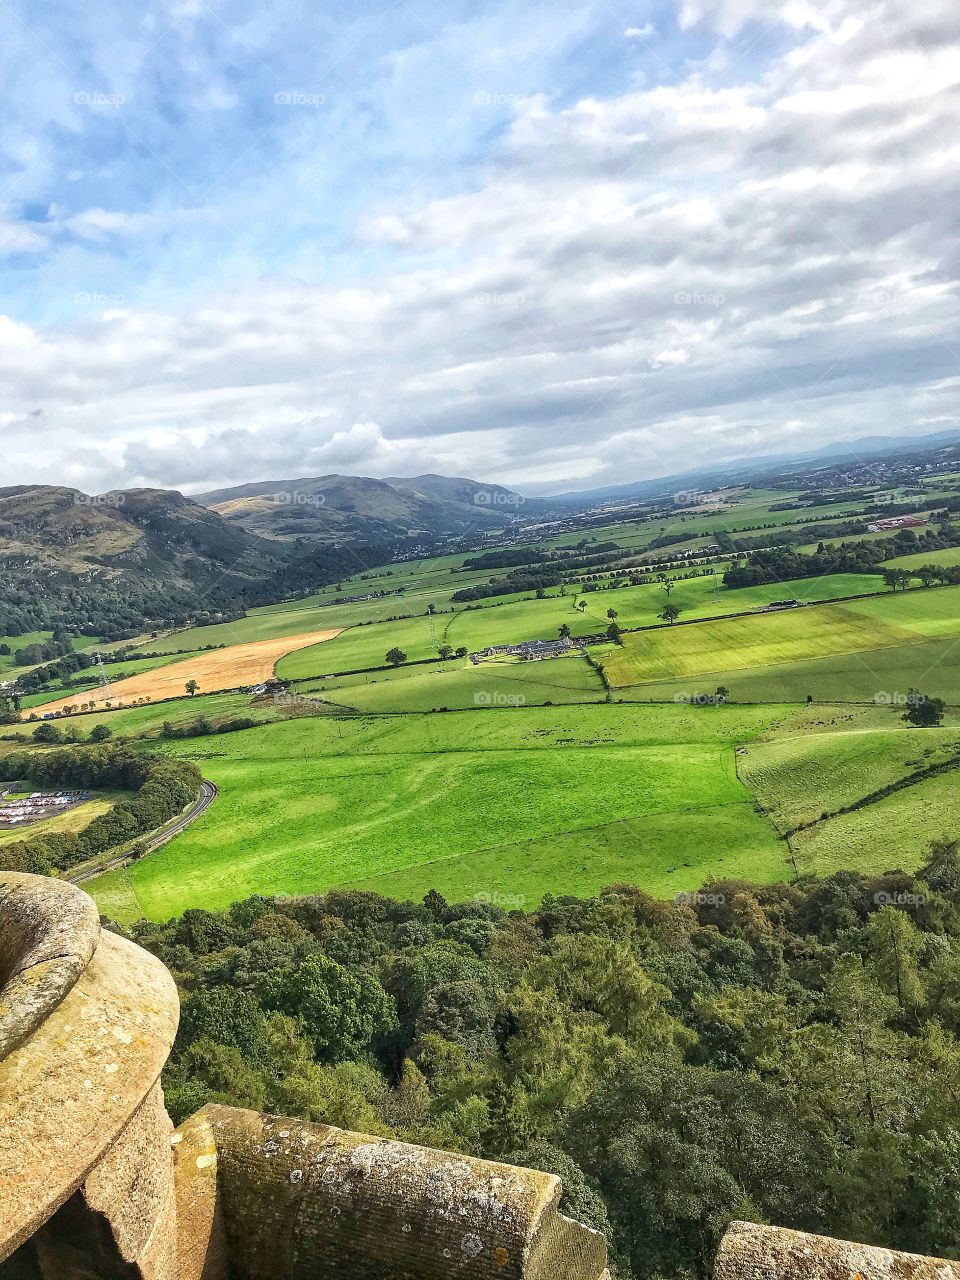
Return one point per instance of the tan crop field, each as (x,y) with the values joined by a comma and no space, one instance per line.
(231,668)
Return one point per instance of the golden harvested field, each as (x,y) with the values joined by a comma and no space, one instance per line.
(239,665)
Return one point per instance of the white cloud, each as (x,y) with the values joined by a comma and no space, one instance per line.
(634,285)
(672,355)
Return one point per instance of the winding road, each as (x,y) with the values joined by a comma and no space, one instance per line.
(208,793)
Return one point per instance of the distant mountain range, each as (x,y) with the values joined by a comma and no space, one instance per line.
(706,477)
(339,509)
(122,562)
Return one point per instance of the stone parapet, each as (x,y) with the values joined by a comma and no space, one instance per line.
(297,1200)
(750,1252)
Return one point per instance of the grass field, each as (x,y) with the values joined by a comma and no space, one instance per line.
(893,833)
(463,779)
(34,637)
(798,778)
(800,634)
(865,676)
(512,620)
(149,719)
(245,664)
(74,820)
(948,556)
(430,800)
(450,686)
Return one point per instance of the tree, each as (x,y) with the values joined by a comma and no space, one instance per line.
(100,733)
(894,943)
(192,687)
(614,632)
(564,631)
(396,657)
(445,651)
(924,712)
(612,615)
(342,1012)
(670,613)
(894,578)
(461,651)
(46,732)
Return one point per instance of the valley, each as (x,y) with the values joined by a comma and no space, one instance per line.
(692,730)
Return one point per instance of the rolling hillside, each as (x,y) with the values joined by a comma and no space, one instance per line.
(337,509)
(132,560)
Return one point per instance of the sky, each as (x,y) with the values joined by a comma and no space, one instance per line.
(551,244)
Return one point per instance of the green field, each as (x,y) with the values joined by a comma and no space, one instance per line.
(893,833)
(514,779)
(511,802)
(865,676)
(796,778)
(34,637)
(510,620)
(449,686)
(786,637)
(949,556)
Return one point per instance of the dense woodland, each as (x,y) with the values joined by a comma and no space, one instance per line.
(784,1053)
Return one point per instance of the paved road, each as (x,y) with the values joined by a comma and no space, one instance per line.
(208,793)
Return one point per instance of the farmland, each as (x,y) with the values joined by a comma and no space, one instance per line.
(789,636)
(516,778)
(470,802)
(242,664)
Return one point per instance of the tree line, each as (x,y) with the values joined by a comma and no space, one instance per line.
(787,1053)
(161,788)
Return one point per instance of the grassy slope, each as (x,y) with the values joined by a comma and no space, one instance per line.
(454,686)
(827,630)
(311,804)
(930,665)
(895,832)
(796,779)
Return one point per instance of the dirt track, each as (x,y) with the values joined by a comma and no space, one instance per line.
(240,665)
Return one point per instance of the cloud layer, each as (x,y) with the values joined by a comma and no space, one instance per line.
(539,245)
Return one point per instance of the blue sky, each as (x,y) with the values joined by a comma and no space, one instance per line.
(544,243)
